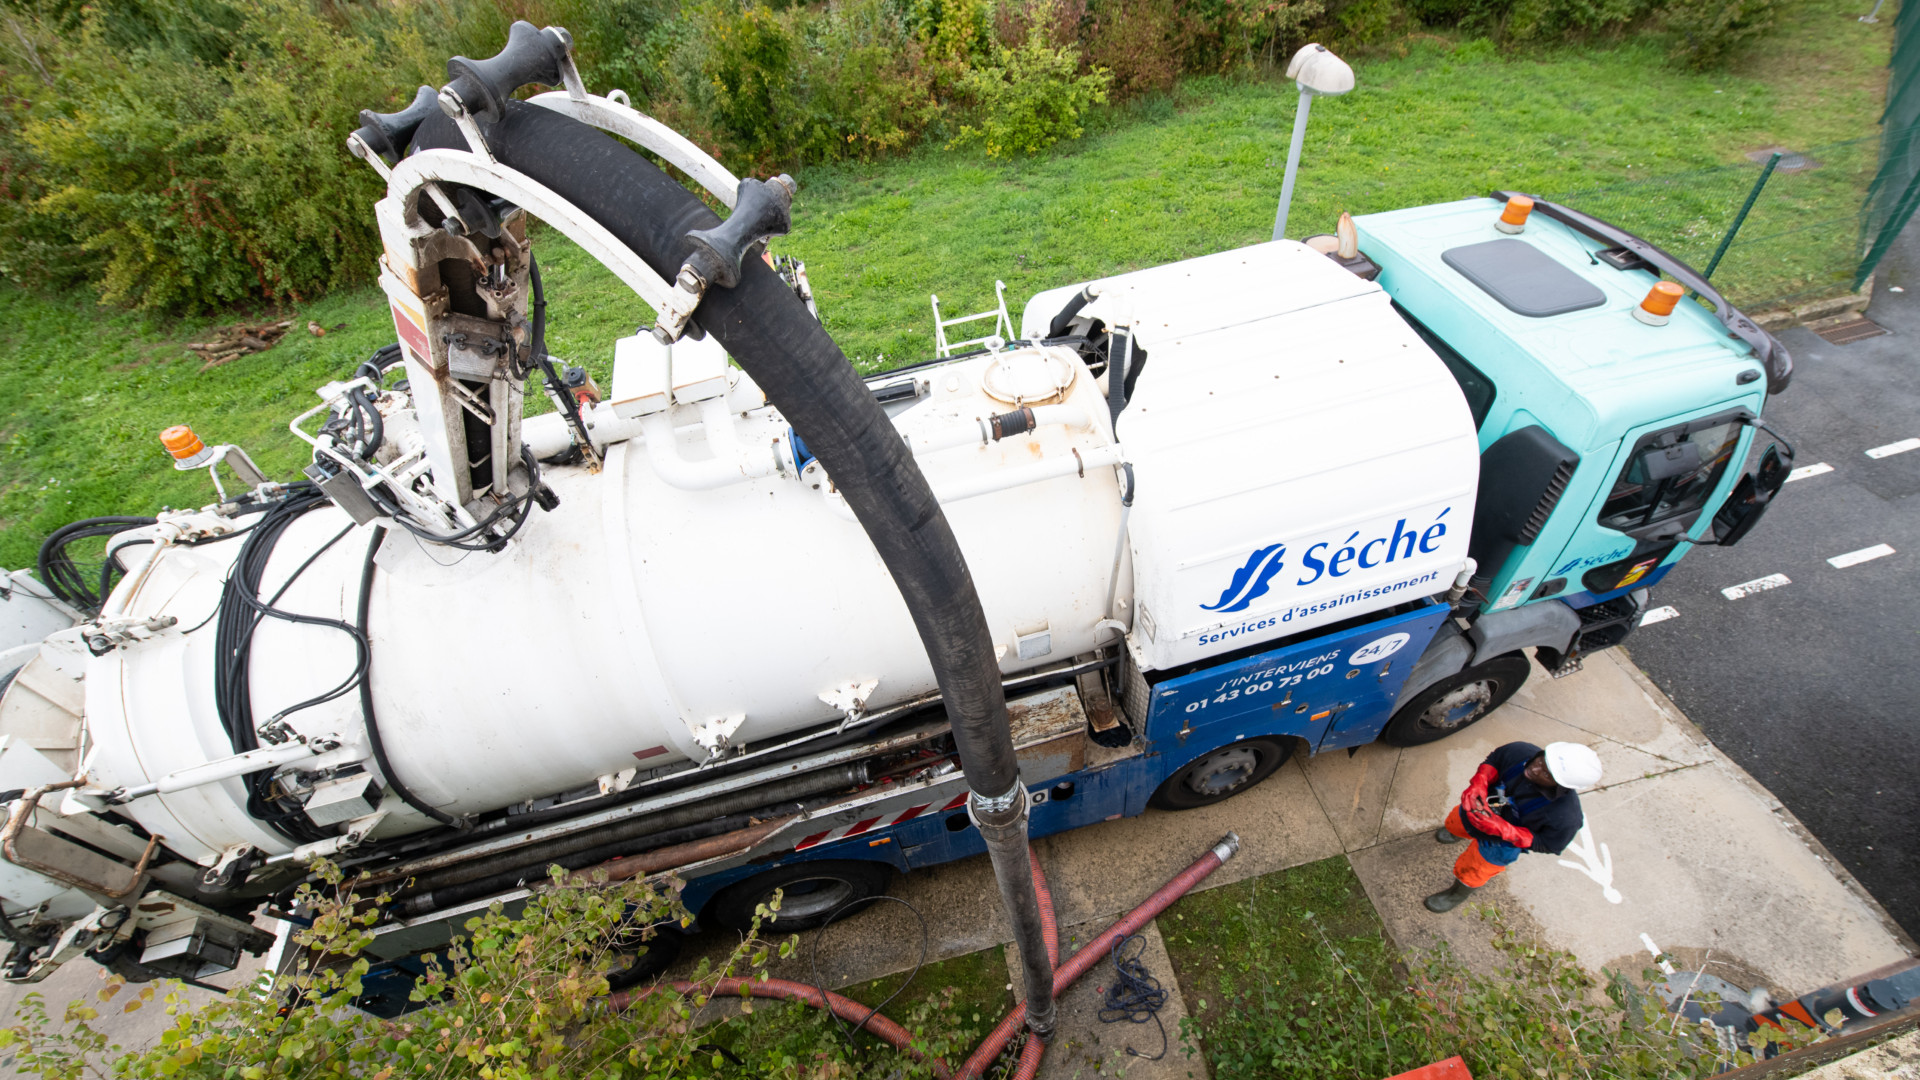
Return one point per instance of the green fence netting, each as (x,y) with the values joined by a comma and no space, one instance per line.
(1895,189)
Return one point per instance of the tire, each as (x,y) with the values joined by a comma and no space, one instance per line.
(1220,775)
(813,891)
(1457,702)
(636,961)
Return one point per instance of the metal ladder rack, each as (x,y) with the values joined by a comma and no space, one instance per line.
(1003,324)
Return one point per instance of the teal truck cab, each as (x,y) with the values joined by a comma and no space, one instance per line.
(1613,438)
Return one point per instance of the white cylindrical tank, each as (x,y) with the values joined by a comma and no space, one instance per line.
(636,625)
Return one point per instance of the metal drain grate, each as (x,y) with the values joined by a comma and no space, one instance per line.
(1849,329)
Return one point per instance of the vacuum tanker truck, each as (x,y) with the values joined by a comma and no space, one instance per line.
(1280,500)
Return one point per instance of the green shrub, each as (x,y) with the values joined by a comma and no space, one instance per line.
(192,185)
(1031,97)
(520,996)
(1707,33)
(1144,44)
(871,88)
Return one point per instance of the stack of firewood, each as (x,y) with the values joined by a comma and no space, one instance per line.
(240,339)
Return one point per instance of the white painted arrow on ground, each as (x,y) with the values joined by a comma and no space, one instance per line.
(1599,866)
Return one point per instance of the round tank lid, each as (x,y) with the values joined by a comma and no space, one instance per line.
(1027,377)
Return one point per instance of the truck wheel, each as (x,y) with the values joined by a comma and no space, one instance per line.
(1222,774)
(811,892)
(1457,701)
(635,961)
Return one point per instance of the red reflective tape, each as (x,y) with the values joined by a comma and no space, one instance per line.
(812,840)
(862,826)
(411,333)
(649,752)
(1799,1012)
(959,801)
(911,812)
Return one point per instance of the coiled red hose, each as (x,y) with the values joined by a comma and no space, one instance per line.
(1064,976)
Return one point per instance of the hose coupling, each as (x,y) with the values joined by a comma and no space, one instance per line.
(1228,846)
(994,814)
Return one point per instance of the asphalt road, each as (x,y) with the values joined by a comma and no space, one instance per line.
(1814,686)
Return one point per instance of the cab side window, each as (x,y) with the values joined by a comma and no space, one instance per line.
(1670,473)
(1479,389)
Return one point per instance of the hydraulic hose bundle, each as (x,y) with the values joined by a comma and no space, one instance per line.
(240,613)
(63,574)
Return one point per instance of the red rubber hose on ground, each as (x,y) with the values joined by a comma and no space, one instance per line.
(1064,976)
(1096,950)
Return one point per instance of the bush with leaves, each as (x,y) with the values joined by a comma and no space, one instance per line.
(1709,33)
(1031,97)
(522,996)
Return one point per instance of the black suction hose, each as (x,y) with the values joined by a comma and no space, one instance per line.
(772,336)
(366,698)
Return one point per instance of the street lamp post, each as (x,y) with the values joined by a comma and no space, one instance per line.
(1319,73)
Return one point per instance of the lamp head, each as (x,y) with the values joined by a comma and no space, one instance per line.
(1319,72)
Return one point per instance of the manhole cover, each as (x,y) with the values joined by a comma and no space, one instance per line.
(1790,161)
(1847,329)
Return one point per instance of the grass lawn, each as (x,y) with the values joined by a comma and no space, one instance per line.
(1291,974)
(84,391)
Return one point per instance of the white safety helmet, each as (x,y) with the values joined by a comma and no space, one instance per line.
(1573,765)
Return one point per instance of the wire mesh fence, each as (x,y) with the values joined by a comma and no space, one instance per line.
(1896,185)
(1802,239)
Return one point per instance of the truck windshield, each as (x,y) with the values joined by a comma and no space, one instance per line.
(1647,492)
(1474,384)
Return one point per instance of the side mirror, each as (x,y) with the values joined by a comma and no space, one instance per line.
(1750,499)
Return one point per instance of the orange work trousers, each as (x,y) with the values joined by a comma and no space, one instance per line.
(1473,868)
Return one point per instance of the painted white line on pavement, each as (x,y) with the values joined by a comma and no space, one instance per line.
(1659,614)
(1805,471)
(1893,448)
(1855,558)
(1655,950)
(1598,865)
(1748,588)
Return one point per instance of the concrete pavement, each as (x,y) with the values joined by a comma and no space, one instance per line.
(1682,847)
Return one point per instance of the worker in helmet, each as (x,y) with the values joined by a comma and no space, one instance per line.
(1522,798)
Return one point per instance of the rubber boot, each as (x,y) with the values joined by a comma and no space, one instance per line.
(1452,898)
(1441,835)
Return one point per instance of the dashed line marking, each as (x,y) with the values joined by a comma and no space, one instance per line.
(1658,615)
(1893,448)
(1855,558)
(1805,471)
(1748,588)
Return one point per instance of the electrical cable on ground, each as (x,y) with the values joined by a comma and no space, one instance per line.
(813,962)
(1135,996)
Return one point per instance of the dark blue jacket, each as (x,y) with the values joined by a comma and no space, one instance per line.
(1553,815)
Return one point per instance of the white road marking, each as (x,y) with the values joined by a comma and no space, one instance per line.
(1855,558)
(1805,471)
(1599,865)
(1893,448)
(1659,614)
(1655,950)
(1748,588)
